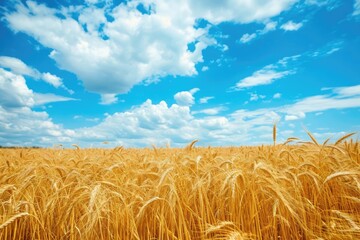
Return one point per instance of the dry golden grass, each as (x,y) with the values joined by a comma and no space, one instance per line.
(304,191)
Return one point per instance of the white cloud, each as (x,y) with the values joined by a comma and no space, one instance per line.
(328,49)
(44,98)
(107,99)
(210,111)
(284,67)
(204,68)
(326,135)
(52,79)
(143,125)
(19,67)
(269,26)
(247,37)
(329,4)
(110,57)
(238,11)
(323,103)
(205,99)
(356,8)
(21,126)
(291,26)
(138,46)
(277,95)
(14,91)
(297,116)
(261,77)
(223,47)
(255,97)
(185,98)
(341,98)
(347,91)
(333,50)
(316,2)
(93,1)
(194,90)
(159,124)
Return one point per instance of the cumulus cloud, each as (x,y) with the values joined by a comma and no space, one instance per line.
(128,50)
(19,67)
(291,26)
(21,126)
(159,123)
(111,49)
(14,92)
(185,98)
(107,99)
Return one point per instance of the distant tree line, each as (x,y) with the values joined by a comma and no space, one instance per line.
(18,147)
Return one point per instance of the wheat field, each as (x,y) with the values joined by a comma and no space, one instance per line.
(305,190)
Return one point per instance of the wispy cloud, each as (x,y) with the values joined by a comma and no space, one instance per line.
(285,67)
(262,77)
(291,26)
(255,96)
(247,37)
(347,91)
(19,67)
(210,111)
(44,98)
(277,96)
(340,98)
(204,68)
(356,8)
(269,26)
(205,99)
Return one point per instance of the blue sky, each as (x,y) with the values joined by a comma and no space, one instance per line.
(142,72)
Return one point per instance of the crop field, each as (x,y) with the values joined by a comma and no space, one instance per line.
(306,190)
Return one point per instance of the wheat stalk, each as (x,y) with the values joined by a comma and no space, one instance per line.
(13,218)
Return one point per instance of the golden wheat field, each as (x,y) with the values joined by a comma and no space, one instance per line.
(301,191)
